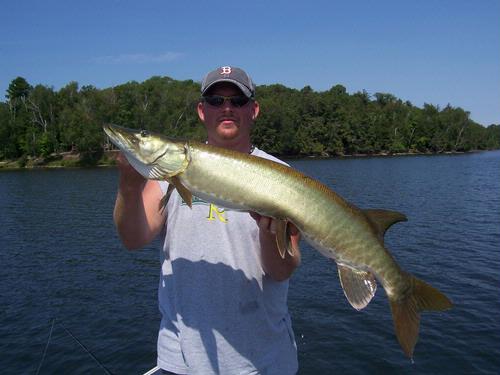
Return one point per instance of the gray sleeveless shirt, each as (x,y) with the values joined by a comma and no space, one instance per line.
(220,313)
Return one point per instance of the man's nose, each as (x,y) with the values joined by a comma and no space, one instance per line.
(227,106)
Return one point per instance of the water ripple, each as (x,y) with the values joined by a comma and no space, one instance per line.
(61,259)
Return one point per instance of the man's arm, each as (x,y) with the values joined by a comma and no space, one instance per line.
(137,216)
(274,265)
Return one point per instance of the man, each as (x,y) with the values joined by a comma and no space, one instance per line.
(223,286)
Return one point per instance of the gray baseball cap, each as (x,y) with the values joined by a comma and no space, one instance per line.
(230,74)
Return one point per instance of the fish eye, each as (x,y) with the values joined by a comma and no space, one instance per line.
(144,133)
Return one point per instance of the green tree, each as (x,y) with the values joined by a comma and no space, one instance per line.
(38,120)
(19,120)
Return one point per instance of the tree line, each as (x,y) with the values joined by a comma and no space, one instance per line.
(37,121)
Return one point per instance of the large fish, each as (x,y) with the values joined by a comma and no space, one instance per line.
(354,238)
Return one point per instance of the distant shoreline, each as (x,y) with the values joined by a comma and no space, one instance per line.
(62,160)
(380,154)
(108,159)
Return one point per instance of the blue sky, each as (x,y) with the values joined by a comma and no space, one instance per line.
(424,51)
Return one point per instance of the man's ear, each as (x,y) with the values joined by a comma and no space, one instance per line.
(256,110)
(201,114)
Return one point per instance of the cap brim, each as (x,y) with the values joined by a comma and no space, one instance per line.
(242,87)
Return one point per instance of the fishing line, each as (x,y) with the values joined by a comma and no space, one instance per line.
(87,350)
(79,343)
(46,346)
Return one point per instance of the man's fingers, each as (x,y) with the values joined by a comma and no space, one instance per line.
(255,216)
(127,171)
(293,229)
(272,225)
(264,222)
(122,161)
(269,224)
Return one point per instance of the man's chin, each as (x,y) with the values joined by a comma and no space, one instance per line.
(228,131)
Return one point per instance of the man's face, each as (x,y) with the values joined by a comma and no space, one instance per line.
(227,125)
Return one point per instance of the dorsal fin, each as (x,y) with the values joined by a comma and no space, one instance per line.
(383,219)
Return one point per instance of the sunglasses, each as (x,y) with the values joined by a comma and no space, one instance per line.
(218,100)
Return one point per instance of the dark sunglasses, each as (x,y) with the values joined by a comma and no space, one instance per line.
(218,100)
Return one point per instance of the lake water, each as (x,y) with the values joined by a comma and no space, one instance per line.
(61,259)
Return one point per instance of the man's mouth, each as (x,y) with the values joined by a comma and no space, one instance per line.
(227,120)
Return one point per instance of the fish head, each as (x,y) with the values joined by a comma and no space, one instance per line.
(153,155)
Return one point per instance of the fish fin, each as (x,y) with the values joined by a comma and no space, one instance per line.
(166,197)
(290,248)
(359,286)
(406,311)
(383,219)
(283,238)
(185,194)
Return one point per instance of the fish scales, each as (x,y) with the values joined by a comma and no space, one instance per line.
(269,188)
(335,227)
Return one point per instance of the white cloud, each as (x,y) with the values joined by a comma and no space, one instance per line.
(138,58)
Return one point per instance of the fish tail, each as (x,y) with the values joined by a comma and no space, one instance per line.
(406,311)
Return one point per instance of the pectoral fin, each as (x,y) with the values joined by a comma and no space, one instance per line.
(359,286)
(166,197)
(175,183)
(383,219)
(283,238)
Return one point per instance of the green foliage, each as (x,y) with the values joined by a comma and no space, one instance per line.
(19,89)
(40,122)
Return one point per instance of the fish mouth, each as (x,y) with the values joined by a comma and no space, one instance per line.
(125,139)
(111,131)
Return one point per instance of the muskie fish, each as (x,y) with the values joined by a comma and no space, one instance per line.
(339,230)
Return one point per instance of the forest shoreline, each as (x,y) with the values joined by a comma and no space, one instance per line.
(108,159)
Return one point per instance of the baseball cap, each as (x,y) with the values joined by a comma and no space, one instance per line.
(229,74)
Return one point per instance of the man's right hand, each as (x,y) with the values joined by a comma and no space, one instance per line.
(137,215)
(128,175)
